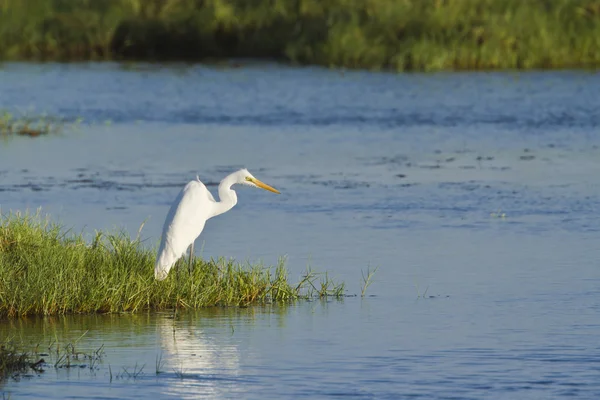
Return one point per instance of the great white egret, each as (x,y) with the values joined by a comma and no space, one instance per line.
(191,209)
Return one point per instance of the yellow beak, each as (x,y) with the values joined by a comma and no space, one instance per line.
(264,185)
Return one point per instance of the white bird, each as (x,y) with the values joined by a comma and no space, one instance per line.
(191,209)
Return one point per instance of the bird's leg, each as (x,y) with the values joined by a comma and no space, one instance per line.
(191,257)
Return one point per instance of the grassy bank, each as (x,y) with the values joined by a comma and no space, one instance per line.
(395,34)
(45,270)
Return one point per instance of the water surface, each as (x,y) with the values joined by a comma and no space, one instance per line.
(476,195)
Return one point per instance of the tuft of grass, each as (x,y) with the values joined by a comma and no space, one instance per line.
(179,373)
(367,280)
(499,214)
(29,125)
(159,364)
(325,287)
(16,362)
(401,35)
(13,361)
(45,270)
(424,294)
(68,356)
(133,374)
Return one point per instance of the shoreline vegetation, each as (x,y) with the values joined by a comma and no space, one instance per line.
(399,35)
(46,270)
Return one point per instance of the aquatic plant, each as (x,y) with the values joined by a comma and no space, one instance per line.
(400,35)
(44,270)
(15,361)
(28,124)
(367,280)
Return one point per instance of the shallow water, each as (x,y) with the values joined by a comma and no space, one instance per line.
(476,194)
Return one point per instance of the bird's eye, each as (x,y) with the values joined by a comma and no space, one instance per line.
(249,179)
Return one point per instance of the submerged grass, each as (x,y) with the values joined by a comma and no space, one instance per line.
(45,270)
(28,124)
(16,362)
(394,34)
(13,361)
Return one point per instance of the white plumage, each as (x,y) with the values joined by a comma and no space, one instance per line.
(191,209)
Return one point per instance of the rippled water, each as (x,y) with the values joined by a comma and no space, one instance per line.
(476,194)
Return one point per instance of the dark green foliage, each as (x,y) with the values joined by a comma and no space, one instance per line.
(395,34)
(12,361)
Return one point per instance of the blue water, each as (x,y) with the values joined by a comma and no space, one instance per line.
(475,194)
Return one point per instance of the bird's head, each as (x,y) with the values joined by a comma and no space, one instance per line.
(246,178)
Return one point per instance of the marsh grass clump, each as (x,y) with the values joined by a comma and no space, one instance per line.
(16,362)
(46,270)
(29,125)
(392,34)
(13,361)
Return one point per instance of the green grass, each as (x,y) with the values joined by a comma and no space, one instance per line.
(28,125)
(392,34)
(45,270)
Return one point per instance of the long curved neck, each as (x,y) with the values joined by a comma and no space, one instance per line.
(227,196)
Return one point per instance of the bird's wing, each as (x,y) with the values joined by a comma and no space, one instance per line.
(183,225)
